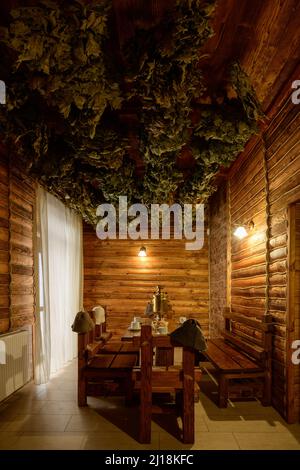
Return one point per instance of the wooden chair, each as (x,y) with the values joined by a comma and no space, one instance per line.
(102,370)
(152,379)
(242,358)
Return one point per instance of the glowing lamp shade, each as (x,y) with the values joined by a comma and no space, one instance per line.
(240,232)
(142,252)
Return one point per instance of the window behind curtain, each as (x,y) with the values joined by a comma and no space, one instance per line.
(59,284)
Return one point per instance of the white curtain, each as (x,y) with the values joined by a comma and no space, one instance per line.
(59,243)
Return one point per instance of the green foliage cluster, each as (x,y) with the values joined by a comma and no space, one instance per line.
(62,50)
(65,93)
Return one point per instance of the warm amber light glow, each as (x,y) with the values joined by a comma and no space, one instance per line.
(240,232)
(142,252)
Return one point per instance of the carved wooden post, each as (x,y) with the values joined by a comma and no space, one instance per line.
(146,385)
(81,366)
(267,390)
(223,391)
(188,417)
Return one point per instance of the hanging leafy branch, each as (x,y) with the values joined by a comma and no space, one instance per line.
(65,95)
(166,79)
(62,51)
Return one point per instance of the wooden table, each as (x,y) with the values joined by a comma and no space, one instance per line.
(164,355)
(120,347)
(111,365)
(130,334)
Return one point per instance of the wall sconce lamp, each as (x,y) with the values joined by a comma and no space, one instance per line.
(142,252)
(242,230)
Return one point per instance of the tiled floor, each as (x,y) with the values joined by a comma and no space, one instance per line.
(47,417)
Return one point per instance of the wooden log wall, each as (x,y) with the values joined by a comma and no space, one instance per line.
(283,163)
(4,246)
(262,184)
(17,196)
(248,256)
(295,386)
(218,261)
(293,312)
(116,277)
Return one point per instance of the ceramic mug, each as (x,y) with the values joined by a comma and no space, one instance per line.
(182,320)
(135,325)
(163,330)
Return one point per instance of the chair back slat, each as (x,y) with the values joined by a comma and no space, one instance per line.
(165,379)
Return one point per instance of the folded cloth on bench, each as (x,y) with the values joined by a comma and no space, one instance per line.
(190,334)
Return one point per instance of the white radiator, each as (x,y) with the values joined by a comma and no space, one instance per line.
(15,361)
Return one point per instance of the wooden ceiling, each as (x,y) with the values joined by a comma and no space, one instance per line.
(262,34)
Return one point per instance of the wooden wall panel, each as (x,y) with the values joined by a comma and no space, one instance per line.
(17,198)
(263,182)
(296,385)
(218,261)
(116,277)
(283,161)
(248,256)
(293,312)
(22,200)
(4,244)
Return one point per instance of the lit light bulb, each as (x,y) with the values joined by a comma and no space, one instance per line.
(240,232)
(142,252)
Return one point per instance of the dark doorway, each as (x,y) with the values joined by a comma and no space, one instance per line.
(293,313)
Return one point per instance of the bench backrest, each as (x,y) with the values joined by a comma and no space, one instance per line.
(252,336)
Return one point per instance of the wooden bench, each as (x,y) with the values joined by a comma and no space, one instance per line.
(104,366)
(119,347)
(242,356)
(112,369)
(151,379)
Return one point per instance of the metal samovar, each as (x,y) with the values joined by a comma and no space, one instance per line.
(160,302)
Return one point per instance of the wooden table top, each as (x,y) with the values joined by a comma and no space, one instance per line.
(130,334)
(113,361)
